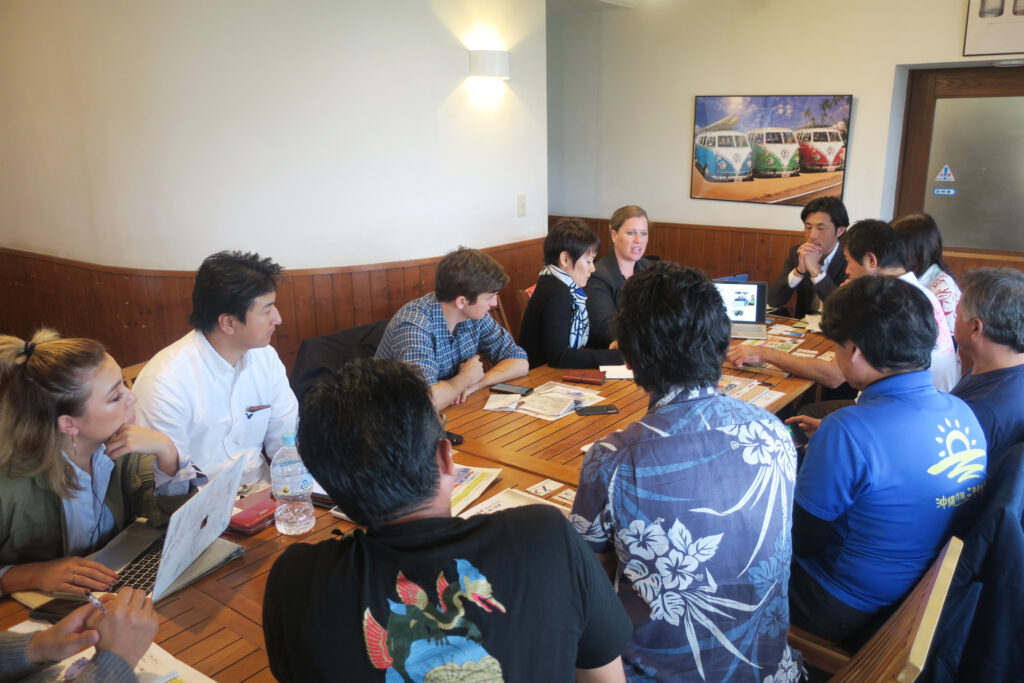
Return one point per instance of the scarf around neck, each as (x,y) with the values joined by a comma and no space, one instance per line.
(579,328)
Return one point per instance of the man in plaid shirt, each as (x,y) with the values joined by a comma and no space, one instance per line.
(446,332)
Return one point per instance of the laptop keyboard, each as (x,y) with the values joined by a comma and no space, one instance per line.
(141,572)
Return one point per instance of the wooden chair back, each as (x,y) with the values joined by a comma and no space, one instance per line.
(898,650)
(131,373)
(498,313)
(523,297)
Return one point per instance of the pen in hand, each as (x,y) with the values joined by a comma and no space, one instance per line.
(96,603)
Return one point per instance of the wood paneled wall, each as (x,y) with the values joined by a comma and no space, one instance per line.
(137,312)
(717,250)
(960,260)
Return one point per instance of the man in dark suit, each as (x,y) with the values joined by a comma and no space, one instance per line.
(816,267)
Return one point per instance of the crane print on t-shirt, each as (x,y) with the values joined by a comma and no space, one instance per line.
(419,638)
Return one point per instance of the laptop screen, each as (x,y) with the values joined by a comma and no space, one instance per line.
(744,301)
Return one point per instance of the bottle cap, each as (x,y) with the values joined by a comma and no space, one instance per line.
(288,439)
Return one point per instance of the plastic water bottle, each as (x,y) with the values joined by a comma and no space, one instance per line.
(292,488)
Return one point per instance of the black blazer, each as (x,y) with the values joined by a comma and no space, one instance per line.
(603,290)
(544,334)
(779,291)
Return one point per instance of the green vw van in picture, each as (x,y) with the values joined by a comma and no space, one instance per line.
(775,152)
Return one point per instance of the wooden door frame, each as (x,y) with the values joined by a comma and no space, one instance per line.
(924,86)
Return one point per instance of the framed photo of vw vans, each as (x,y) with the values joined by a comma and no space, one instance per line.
(770,149)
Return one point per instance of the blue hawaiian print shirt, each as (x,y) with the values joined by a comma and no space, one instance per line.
(418,335)
(696,501)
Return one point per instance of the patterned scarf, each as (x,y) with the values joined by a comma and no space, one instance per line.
(579,329)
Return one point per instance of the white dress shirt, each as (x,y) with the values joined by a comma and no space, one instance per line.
(795,277)
(215,412)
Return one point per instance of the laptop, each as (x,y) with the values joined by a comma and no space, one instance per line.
(747,307)
(163,562)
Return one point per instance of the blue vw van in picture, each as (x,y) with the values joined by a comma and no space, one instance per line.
(723,155)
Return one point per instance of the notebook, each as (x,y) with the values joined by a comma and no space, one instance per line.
(162,563)
(747,307)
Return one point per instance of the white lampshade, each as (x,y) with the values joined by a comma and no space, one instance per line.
(493,63)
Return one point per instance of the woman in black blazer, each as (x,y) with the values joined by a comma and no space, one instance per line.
(556,325)
(629,242)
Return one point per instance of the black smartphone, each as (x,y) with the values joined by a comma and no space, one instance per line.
(56,609)
(511,389)
(606,409)
(799,435)
(456,439)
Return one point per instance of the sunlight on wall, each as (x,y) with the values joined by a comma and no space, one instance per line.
(483,37)
(484,92)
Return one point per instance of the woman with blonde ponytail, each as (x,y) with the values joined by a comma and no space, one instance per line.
(74,467)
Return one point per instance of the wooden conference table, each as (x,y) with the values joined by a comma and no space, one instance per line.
(216,625)
(554,448)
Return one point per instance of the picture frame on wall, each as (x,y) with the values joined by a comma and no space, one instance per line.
(994,27)
(770,149)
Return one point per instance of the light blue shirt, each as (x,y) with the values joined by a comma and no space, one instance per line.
(88,521)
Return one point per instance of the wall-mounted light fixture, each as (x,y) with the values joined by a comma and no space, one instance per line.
(489,63)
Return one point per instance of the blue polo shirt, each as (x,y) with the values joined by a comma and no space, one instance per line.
(889,472)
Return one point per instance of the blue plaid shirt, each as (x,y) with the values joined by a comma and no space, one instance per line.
(418,334)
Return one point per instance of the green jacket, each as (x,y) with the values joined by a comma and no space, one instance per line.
(32,525)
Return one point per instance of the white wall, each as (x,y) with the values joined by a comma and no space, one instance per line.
(320,132)
(622,85)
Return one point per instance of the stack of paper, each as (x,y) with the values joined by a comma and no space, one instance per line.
(741,388)
(813,322)
(616,372)
(554,400)
(156,666)
(470,483)
(509,498)
(780,343)
(502,402)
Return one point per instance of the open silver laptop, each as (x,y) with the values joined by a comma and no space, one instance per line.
(163,562)
(747,307)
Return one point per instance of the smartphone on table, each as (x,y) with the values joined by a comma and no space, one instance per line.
(511,389)
(606,409)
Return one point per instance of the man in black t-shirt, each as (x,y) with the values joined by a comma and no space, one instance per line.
(513,596)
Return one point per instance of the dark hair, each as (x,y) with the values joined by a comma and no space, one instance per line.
(41,380)
(833,206)
(469,273)
(923,242)
(996,297)
(876,237)
(623,214)
(368,434)
(229,282)
(891,321)
(571,235)
(672,327)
